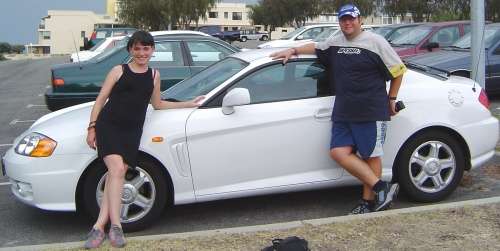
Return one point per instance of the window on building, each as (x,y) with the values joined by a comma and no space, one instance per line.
(226,28)
(82,34)
(234,28)
(213,14)
(226,15)
(237,16)
(45,34)
(387,20)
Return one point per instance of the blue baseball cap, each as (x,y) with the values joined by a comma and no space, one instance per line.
(349,9)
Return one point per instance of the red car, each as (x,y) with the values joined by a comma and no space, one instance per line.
(429,37)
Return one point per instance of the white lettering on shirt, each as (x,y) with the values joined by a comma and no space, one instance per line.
(349,51)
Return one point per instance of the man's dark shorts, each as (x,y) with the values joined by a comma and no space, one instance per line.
(366,137)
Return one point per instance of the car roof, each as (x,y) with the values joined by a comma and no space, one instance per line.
(320,25)
(440,24)
(178,32)
(401,25)
(256,54)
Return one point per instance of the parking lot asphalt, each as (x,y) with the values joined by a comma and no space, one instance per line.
(22,84)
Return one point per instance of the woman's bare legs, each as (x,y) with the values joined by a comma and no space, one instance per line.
(112,198)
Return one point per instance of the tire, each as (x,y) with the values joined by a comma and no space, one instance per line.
(154,191)
(264,38)
(426,177)
(243,39)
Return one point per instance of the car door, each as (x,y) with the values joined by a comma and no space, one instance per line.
(493,69)
(444,37)
(204,53)
(169,60)
(280,139)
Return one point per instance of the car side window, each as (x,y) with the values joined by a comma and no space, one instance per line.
(205,53)
(312,33)
(446,36)
(295,80)
(466,28)
(167,54)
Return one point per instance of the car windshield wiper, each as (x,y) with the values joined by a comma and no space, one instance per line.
(404,44)
(428,69)
(456,47)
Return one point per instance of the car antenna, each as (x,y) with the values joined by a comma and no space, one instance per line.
(477,65)
(76,49)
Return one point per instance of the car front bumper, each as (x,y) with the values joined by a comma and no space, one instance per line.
(56,101)
(47,183)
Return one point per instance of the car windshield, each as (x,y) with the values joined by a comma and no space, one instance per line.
(97,45)
(293,33)
(119,45)
(383,31)
(491,36)
(399,31)
(205,81)
(325,34)
(413,37)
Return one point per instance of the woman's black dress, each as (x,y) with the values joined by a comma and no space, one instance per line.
(119,124)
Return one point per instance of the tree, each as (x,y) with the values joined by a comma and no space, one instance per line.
(186,12)
(5,47)
(160,14)
(492,10)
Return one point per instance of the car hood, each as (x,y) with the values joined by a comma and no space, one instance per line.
(444,59)
(283,43)
(68,126)
(405,51)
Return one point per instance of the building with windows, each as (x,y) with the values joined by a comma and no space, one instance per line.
(64,31)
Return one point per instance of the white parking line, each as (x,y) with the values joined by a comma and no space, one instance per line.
(32,105)
(15,121)
(4,183)
(41,94)
(5,145)
(47,87)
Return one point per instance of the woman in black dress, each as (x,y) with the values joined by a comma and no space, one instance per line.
(115,128)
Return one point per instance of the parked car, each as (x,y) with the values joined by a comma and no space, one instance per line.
(100,34)
(429,37)
(456,59)
(262,128)
(299,36)
(391,32)
(253,35)
(178,55)
(218,32)
(105,44)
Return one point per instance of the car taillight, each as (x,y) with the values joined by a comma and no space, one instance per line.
(483,99)
(57,82)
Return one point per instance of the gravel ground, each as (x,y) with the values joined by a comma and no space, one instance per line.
(465,228)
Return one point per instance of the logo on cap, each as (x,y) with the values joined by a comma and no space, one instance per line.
(350,10)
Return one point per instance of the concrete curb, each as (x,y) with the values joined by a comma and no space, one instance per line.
(276,226)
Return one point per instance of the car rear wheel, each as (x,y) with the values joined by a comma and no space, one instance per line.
(431,166)
(144,194)
(243,39)
(264,38)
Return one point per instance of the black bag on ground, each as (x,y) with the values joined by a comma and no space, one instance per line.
(292,243)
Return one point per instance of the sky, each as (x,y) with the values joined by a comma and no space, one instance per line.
(19,19)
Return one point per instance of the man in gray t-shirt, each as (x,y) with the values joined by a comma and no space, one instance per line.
(360,63)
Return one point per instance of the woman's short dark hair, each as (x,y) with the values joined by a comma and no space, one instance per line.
(142,37)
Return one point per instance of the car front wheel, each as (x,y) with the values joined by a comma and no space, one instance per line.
(264,38)
(430,166)
(144,194)
(243,39)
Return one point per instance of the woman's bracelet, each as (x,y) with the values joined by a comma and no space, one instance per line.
(91,127)
(92,123)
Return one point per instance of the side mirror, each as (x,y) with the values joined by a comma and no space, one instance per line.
(431,46)
(301,37)
(235,97)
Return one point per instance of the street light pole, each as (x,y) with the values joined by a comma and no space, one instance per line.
(477,40)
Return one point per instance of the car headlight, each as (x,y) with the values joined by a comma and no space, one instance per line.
(36,145)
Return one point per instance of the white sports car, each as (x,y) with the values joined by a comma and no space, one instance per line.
(263,128)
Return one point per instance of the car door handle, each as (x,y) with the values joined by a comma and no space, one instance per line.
(323,113)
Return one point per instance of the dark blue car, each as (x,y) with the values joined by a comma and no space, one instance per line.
(456,59)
